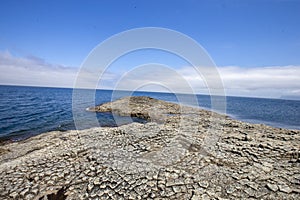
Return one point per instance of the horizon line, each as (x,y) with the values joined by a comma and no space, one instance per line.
(166,92)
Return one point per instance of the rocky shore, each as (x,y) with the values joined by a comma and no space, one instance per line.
(181,153)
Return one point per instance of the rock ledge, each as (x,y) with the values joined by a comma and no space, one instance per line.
(173,159)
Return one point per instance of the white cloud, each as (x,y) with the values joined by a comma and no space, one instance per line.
(284,77)
(36,72)
(273,82)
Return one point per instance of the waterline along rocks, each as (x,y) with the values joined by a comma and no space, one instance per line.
(181,153)
(140,106)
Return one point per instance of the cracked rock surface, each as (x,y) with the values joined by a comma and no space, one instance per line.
(189,154)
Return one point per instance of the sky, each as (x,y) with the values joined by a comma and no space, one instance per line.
(254,43)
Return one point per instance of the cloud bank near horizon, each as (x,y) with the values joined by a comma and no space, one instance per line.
(271,81)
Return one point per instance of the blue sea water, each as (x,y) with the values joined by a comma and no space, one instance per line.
(28,111)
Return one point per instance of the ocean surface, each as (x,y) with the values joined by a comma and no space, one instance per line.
(28,111)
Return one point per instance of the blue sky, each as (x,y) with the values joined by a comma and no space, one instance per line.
(248,34)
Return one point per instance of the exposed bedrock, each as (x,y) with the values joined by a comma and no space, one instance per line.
(182,153)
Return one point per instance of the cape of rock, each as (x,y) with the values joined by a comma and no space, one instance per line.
(142,106)
(181,153)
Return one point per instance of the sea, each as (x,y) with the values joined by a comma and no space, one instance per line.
(28,111)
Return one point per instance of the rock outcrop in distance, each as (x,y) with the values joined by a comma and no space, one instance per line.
(181,153)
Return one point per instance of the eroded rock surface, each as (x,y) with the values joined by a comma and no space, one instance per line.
(191,154)
(140,106)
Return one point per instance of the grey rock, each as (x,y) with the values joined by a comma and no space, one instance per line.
(285,189)
(181,153)
(272,187)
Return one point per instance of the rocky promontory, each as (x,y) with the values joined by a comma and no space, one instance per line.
(181,153)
